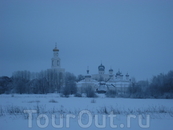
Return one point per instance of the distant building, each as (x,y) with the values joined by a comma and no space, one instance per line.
(103,82)
(56,61)
(56,75)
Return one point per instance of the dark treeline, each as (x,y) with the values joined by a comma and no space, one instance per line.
(160,86)
(50,81)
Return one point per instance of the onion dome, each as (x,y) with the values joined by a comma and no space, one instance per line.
(110,70)
(118,73)
(127,75)
(101,67)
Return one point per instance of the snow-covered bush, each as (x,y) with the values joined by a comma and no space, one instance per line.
(78,95)
(89,91)
(111,93)
(53,101)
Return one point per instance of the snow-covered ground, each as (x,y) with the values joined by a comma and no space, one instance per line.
(54,112)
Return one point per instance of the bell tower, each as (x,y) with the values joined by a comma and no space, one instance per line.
(55,60)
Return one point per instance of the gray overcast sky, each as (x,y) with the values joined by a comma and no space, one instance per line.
(134,36)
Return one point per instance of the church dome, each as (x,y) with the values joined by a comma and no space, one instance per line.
(101,67)
(118,73)
(88,75)
(55,49)
(127,75)
(110,70)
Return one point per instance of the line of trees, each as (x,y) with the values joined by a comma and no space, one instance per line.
(51,81)
(48,81)
(160,86)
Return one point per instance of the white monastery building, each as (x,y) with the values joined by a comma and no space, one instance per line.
(102,81)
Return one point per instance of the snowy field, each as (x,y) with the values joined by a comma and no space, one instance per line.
(22,112)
